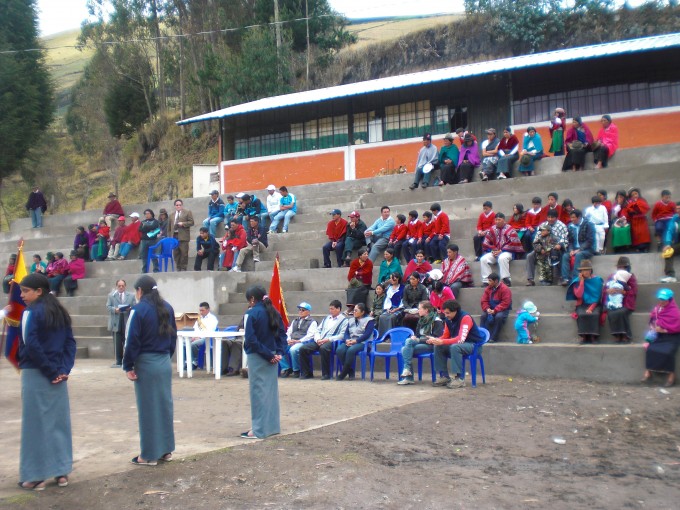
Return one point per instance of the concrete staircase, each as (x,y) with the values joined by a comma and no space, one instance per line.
(300,255)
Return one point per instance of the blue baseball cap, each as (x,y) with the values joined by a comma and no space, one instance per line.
(664,294)
(305,306)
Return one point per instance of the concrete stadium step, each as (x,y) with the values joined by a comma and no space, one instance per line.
(607,363)
(82,352)
(93,331)
(90,320)
(97,346)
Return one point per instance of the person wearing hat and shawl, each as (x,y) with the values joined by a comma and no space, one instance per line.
(419,265)
(360,277)
(636,213)
(619,317)
(301,329)
(578,142)
(606,142)
(151,335)
(336,230)
(490,155)
(47,353)
(527,315)
(456,270)
(265,344)
(558,125)
(586,290)
(663,337)
(468,159)
(428,158)
(508,153)
(448,160)
(532,149)
(215,213)
(354,238)
(112,210)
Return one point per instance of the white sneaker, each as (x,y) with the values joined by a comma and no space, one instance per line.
(502,176)
(406,373)
(405,382)
(235,269)
(668,279)
(256,259)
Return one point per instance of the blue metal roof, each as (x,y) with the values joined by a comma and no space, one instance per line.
(448,73)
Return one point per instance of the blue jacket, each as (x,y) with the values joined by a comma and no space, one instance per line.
(51,351)
(672,231)
(255,207)
(142,333)
(260,234)
(474,336)
(259,339)
(216,209)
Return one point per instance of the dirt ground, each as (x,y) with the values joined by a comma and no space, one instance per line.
(370,445)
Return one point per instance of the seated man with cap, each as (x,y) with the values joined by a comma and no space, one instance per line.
(336,230)
(215,212)
(301,330)
(273,202)
(112,210)
(428,158)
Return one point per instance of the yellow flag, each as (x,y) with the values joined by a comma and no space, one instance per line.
(20,266)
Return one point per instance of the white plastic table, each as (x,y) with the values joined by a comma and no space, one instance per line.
(184,350)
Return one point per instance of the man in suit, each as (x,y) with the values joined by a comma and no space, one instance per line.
(180,227)
(118,303)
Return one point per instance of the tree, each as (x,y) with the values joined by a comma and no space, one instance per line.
(26,92)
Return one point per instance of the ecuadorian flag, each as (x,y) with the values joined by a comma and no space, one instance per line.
(13,318)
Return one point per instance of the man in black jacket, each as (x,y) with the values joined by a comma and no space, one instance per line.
(354,238)
(206,248)
(36,206)
(256,236)
(581,245)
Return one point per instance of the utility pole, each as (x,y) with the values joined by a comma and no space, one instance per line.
(277,27)
(307,20)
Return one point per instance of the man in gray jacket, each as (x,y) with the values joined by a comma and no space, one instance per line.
(118,303)
(428,159)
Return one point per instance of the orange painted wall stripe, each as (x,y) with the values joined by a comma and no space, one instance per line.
(284,171)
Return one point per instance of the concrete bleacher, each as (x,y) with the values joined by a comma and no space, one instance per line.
(652,169)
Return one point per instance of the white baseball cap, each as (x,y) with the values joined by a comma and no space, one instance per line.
(271,187)
(134,215)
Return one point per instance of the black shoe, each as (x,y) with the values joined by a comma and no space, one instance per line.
(325,377)
(530,283)
(286,373)
(326,267)
(295,375)
(306,376)
(413,186)
(507,282)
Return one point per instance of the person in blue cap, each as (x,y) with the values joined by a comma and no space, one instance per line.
(663,338)
(302,329)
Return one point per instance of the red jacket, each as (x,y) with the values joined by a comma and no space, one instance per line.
(76,268)
(533,220)
(131,234)
(663,211)
(415,229)
(399,233)
(238,239)
(114,207)
(484,222)
(441,225)
(501,293)
(428,230)
(544,212)
(336,231)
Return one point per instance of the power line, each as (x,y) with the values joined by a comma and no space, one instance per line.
(169,37)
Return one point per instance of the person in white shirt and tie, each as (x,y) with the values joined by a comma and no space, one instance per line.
(118,303)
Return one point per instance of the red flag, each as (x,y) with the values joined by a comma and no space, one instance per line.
(276,293)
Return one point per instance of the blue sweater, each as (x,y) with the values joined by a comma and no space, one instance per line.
(142,333)
(216,209)
(259,339)
(51,351)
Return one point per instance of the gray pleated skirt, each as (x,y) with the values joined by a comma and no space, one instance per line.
(263,379)
(46,445)
(153,390)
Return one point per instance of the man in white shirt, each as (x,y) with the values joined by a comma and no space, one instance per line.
(273,202)
(332,328)
(597,215)
(300,331)
(206,323)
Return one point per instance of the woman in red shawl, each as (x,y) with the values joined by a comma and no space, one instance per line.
(636,213)
(664,321)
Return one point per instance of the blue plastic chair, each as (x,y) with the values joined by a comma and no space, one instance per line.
(420,358)
(397,338)
(363,355)
(474,357)
(166,246)
(318,353)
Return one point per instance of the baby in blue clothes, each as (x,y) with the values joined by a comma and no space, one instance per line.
(528,314)
(620,282)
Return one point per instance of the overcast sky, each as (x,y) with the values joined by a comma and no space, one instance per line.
(59,15)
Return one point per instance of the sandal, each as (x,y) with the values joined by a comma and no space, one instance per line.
(32,486)
(248,435)
(62,481)
(137,462)
(166,458)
